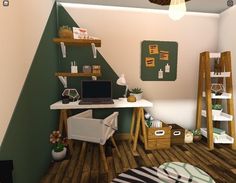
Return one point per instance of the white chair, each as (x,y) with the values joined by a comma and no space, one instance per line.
(84,127)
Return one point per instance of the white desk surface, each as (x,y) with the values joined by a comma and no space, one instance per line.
(117,104)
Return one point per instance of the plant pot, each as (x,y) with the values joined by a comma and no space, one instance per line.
(138,96)
(197,138)
(57,156)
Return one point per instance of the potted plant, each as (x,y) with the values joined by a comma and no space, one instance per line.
(217,109)
(59,149)
(137,92)
(197,135)
(65,32)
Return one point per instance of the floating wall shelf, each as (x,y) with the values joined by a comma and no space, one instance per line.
(94,42)
(63,76)
(79,74)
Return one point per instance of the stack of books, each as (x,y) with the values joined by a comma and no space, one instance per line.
(218,133)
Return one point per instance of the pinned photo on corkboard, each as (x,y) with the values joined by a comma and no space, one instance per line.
(150,62)
(153,49)
(164,55)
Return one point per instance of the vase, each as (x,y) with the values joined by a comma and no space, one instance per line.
(197,138)
(57,156)
(138,96)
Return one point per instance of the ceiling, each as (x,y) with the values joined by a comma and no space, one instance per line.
(206,6)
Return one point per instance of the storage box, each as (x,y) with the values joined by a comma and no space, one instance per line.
(96,69)
(158,138)
(177,134)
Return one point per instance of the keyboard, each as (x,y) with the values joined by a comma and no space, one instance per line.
(89,102)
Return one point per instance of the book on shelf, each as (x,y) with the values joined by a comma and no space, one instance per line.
(218,131)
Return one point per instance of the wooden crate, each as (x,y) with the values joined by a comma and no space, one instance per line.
(177,134)
(158,138)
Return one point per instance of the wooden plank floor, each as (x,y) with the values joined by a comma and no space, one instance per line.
(85,165)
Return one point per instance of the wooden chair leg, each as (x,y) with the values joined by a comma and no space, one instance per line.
(114,144)
(103,157)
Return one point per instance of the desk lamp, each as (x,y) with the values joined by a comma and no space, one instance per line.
(122,82)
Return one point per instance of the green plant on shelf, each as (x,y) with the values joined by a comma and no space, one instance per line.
(136,90)
(197,132)
(217,107)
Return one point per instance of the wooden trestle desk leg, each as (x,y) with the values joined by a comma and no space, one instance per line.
(137,118)
(63,126)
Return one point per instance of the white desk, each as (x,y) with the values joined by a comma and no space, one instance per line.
(137,116)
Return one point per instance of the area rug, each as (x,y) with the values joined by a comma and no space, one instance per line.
(171,172)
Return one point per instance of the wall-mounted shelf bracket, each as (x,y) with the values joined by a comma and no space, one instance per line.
(63,49)
(94,50)
(63,80)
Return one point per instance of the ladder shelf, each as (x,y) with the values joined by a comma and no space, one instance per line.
(204,93)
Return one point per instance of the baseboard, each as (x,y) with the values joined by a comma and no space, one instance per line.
(121,136)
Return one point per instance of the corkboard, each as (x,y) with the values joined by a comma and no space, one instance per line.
(159,60)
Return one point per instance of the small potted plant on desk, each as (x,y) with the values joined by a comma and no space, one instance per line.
(197,135)
(217,109)
(59,149)
(137,92)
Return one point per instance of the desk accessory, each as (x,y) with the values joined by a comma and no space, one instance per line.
(96,69)
(87,69)
(122,82)
(71,93)
(74,67)
(131,99)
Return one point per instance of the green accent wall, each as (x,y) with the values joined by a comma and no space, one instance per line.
(83,55)
(27,138)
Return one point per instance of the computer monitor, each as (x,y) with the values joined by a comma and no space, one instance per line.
(96,89)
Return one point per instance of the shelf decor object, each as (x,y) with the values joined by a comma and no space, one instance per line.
(206,91)
(94,42)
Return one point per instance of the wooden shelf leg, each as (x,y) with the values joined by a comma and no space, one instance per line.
(210,140)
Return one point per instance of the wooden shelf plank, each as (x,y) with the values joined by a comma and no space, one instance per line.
(223,96)
(79,74)
(219,139)
(78,42)
(222,117)
(222,75)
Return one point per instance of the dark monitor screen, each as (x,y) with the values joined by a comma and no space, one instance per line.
(96,89)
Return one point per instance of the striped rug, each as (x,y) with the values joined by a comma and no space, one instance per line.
(164,175)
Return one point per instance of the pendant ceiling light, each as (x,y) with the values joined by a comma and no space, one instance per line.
(177,9)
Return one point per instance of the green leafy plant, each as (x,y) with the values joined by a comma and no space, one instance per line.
(65,27)
(217,106)
(197,132)
(136,90)
(58,142)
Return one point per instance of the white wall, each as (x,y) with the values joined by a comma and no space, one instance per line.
(227,40)
(22,24)
(122,30)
